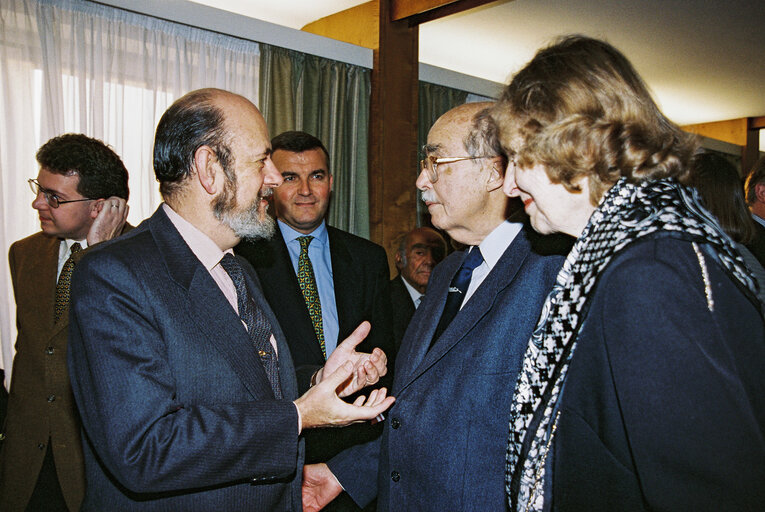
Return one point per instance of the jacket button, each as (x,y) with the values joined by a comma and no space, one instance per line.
(49,351)
(395,476)
(395,423)
(51,398)
(41,446)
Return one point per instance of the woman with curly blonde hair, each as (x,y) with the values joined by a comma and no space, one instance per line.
(642,385)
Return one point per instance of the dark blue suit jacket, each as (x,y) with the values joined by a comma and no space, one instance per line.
(176,407)
(444,440)
(664,405)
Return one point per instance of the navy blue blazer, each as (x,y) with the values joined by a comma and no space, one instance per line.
(664,404)
(444,440)
(178,413)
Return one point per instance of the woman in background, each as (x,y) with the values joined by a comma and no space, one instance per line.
(722,192)
(642,387)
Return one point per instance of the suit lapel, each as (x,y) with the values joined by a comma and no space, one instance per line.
(42,275)
(208,308)
(476,308)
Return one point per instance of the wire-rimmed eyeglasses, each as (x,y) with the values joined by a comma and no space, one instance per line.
(431,163)
(50,197)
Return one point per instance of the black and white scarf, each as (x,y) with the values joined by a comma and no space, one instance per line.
(627,213)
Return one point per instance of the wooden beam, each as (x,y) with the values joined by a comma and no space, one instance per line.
(393,132)
(732,131)
(359,25)
(401,9)
(757,123)
(417,12)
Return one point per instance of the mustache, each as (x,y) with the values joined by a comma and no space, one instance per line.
(266,192)
(429,196)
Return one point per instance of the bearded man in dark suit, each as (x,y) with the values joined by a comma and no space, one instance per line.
(180,369)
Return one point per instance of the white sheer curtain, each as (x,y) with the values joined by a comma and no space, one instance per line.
(75,66)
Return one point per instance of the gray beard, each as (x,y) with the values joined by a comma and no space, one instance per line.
(246,224)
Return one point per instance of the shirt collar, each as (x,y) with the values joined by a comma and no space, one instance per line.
(289,234)
(413,293)
(203,247)
(494,245)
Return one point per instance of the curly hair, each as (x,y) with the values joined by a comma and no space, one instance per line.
(102,173)
(580,109)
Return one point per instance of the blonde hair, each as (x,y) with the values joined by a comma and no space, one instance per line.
(581,110)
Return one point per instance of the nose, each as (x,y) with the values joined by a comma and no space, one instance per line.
(509,187)
(423,182)
(272,177)
(40,203)
(304,189)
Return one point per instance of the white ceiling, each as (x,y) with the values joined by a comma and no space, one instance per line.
(703,59)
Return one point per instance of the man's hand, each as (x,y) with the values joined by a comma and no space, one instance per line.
(367,368)
(319,487)
(320,406)
(110,220)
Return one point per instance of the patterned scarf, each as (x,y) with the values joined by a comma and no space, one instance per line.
(627,213)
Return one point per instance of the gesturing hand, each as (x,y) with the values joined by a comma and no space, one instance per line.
(367,368)
(319,487)
(320,406)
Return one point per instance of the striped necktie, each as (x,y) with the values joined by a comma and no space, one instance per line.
(64,283)
(307,282)
(258,326)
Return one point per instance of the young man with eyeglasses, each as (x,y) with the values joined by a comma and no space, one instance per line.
(81,194)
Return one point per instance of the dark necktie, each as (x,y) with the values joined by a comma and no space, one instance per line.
(457,290)
(64,284)
(257,324)
(307,282)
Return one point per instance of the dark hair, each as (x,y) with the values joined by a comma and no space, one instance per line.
(102,173)
(580,109)
(754,178)
(191,122)
(722,192)
(297,142)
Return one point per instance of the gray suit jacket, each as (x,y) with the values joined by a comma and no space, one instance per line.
(177,410)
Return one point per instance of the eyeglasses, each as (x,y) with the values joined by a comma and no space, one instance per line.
(431,163)
(50,197)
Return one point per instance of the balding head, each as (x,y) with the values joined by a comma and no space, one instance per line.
(461,181)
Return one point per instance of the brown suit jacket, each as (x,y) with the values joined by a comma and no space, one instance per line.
(40,404)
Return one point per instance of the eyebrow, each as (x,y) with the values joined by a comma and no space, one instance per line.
(430,148)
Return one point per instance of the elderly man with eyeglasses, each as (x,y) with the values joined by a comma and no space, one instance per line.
(81,194)
(443,444)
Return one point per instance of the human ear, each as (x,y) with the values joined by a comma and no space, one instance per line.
(207,168)
(496,174)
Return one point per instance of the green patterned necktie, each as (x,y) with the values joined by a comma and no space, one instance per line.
(63,284)
(307,283)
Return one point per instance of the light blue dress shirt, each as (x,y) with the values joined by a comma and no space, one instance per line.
(321,261)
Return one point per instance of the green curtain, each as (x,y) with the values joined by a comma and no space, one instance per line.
(330,100)
(435,100)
